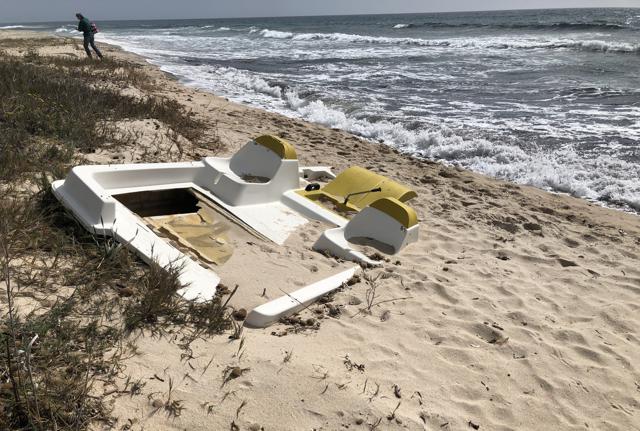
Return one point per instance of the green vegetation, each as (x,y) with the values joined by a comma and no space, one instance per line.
(52,108)
(70,299)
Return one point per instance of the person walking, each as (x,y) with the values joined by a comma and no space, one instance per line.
(87,30)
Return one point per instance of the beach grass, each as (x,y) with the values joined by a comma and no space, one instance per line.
(54,108)
(71,299)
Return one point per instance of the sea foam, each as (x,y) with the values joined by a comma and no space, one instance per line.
(274,34)
(560,170)
(601,178)
(486,43)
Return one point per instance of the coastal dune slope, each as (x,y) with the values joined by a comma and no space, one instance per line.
(517,309)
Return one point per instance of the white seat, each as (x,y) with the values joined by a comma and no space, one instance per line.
(390,224)
(270,162)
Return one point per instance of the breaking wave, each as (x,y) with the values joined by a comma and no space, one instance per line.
(577,26)
(601,178)
(249,81)
(598,45)
(213,28)
(490,43)
(9,27)
(561,170)
(65,29)
(275,34)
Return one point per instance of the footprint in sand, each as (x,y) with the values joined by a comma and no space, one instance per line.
(489,334)
(566,263)
(512,228)
(532,227)
(312,268)
(571,243)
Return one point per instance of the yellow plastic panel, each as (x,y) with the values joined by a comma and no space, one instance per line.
(405,215)
(356,179)
(279,146)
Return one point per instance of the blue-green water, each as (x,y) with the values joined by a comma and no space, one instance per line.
(548,97)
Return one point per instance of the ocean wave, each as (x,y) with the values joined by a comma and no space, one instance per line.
(602,178)
(562,170)
(598,45)
(65,29)
(275,34)
(249,81)
(578,26)
(350,38)
(585,45)
(582,26)
(17,26)
(490,43)
(213,28)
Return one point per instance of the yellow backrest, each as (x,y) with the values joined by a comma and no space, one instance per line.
(279,146)
(356,179)
(403,213)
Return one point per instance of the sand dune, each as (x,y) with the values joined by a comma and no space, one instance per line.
(517,310)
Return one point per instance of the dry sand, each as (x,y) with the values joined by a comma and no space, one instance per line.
(517,309)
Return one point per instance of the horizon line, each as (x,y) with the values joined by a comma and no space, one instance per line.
(333,15)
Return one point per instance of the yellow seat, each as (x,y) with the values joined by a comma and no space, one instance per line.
(401,212)
(358,180)
(279,146)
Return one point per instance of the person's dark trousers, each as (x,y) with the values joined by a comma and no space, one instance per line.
(90,40)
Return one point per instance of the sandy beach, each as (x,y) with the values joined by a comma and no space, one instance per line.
(517,309)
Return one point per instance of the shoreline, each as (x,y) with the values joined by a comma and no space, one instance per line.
(624,205)
(517,309)
(141,59)
(180,81)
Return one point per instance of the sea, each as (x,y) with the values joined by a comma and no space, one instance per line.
(549,98)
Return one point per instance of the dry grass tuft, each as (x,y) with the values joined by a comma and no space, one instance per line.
(156,306)
(52,108)
(64,317)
